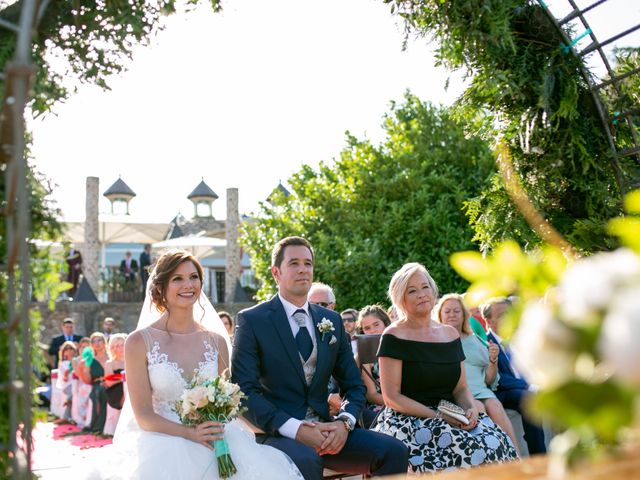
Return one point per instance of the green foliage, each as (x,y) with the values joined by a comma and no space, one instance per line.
(45,280)
(378,207)
(628,228)
(527,87)
(508,271)
(586,387)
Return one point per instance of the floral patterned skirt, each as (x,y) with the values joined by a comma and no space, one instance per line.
(435,445)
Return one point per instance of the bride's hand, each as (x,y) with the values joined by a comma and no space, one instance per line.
(206,432)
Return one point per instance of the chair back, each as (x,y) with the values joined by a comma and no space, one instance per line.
(367,348)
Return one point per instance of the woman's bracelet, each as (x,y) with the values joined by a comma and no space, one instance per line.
(438,414)
(494,361)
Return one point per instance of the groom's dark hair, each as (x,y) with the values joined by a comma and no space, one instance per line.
(277,255)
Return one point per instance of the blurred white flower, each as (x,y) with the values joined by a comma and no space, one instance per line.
(620,339)
(543,348)
(591,283)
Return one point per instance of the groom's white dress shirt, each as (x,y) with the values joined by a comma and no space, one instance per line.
(290,428)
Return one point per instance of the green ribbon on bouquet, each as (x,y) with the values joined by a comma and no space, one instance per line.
(226,467)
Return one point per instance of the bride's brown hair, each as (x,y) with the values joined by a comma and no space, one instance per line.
(163,270)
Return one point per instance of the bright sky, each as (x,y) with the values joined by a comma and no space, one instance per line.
(242,99)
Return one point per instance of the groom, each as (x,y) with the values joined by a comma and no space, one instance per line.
(283,357)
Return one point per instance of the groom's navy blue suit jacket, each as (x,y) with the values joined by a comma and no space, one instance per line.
(266,364)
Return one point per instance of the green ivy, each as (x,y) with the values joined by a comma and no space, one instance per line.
(380,206)
(526,87)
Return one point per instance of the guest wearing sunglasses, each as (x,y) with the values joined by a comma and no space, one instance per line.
(322,294)
(349,319)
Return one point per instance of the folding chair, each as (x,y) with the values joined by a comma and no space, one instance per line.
(367,349)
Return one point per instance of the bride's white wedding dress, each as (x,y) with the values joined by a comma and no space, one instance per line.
(173,360)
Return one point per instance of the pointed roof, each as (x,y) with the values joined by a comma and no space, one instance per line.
(85,293)
(279,188)
(175,229)
(283,189)
(202,190)
(119,188)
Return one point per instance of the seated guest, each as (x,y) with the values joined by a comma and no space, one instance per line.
(114,387)
(476,322)
(227,321)
(372,320)
(421,364)
(91,372)
(349,319)
(80,391)
(512,390)
(322,294)
(480,363)
(68,350)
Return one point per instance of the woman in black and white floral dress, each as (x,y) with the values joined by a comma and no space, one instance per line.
(420,364)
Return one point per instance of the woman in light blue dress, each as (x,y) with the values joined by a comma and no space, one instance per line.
(481,361)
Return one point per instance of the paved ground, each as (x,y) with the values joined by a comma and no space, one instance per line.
(57,447)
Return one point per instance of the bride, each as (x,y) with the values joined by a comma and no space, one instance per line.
(180,338)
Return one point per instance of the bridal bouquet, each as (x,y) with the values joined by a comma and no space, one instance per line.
(215,400)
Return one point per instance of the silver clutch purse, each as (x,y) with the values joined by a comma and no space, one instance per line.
(453,410)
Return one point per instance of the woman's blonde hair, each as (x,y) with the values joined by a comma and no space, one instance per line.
(98,334)
(399,284)
(65,346)
(113,339)
(435,313)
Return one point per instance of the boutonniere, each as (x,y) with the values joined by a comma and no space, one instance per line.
(325,326)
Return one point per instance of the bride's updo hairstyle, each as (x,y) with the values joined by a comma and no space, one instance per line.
(165,266)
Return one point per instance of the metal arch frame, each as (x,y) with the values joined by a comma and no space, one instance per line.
(15,267)
(594,88)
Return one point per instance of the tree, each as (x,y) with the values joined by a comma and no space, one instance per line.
(378,207)
(527,89)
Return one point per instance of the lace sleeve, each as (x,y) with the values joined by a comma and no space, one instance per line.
(224,364)
(146,336)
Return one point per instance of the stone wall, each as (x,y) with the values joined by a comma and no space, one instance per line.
(88,316)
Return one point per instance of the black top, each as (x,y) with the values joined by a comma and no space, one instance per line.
(430,370)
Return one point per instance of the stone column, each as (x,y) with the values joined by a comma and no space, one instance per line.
(232,225)
(91,251)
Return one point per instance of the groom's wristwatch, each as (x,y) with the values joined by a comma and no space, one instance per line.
(348,422)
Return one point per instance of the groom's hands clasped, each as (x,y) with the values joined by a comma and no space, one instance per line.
(336,437)
(310,435)
(325,438)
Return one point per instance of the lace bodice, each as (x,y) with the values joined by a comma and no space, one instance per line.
(174,361)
